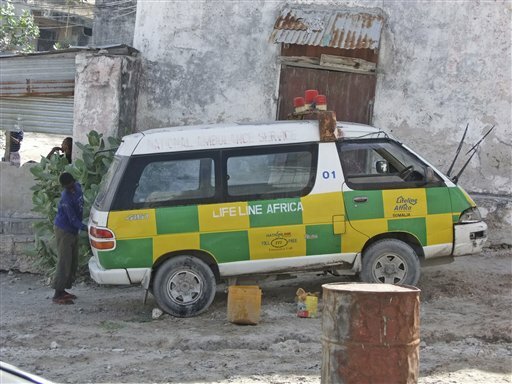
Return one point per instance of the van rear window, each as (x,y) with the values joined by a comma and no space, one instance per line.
(109,183)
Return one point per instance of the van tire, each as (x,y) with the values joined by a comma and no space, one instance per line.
(390,261)
(184,286)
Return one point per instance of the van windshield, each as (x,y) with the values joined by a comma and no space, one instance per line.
(375,164)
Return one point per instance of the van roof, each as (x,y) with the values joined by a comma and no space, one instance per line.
(232,135)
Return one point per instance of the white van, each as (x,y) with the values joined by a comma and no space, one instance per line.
(184,208)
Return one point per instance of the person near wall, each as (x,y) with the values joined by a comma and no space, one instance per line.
(16,137)
(67,225)
(66,148)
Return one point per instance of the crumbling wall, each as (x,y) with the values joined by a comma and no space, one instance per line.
(497,213)
(114,22)
(16,218)
(206,62)
(105,94)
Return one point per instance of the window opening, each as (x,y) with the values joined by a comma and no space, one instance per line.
(370,165)
(173,180)
(267,175)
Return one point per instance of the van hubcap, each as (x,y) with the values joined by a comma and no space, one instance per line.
(184,287)
(390,268)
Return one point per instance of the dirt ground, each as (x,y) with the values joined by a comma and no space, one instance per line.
(110,336)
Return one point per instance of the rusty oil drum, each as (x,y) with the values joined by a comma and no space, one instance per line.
(370,333)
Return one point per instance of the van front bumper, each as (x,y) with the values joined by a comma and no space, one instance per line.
(124,276)
(469,238)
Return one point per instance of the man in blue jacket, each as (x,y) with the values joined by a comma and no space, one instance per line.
(68,223)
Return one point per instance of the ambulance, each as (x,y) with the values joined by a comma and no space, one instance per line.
(182,209)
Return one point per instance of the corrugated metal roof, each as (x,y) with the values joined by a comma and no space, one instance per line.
(347,28)
(49,73)
(43,75)
(38,114)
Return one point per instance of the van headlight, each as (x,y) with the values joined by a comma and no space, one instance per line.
(470,215)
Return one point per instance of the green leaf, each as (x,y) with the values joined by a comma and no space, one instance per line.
(94,138)
(81,146)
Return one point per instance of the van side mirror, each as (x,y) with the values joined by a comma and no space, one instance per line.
(382,166)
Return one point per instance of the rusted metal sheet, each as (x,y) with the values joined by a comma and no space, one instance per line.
(345,29)
(370,334)
(350,95)
(37,75)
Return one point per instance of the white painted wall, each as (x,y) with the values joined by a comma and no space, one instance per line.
(442,65)
(205,62)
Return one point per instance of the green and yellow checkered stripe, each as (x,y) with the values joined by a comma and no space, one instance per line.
(266,229)
(426,213)
(228,231)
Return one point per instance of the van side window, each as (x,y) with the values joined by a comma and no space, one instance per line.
(176,180)
(270,173)
(369,164)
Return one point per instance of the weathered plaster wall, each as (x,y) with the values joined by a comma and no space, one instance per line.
(442,65)
(97,89)
(16,218)
(206,62)
(130,74)
(105,94)
(15,193)
(497,213)
(114,22)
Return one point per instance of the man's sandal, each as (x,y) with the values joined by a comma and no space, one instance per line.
(68,295)
(62,300)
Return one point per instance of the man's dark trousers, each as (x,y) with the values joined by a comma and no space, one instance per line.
(67,262)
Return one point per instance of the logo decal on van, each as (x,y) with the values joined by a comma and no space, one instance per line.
(257,209)
(279,241)
(403,206)
(138,216)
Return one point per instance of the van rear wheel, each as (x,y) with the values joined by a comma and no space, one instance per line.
(184,286)
(390,261)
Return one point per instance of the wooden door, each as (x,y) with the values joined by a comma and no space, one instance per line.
(350,95)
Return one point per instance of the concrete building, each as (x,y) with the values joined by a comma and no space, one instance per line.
(439,67)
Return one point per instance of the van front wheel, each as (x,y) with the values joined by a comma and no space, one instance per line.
(390,261)
(184,286)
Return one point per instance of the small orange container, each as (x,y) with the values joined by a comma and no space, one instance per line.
(244,304)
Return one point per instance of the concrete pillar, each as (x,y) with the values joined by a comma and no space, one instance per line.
(105,94)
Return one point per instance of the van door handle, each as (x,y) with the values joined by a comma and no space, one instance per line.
(360,199)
